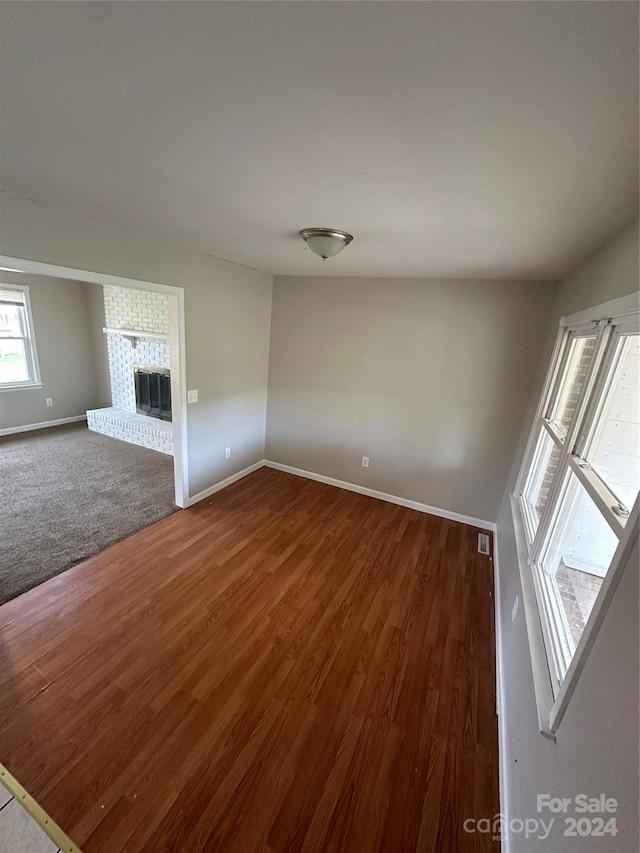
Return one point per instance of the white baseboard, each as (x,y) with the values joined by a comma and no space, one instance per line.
(502,735)
(383,496)
(43,425)
(224,483)
(350,487)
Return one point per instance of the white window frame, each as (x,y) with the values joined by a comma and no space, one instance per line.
(30,348)
(609,320)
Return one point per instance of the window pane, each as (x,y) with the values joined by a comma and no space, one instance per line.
(577,559)
(615,450)
(575,371)
(12,320)
(13,362)
(545,464)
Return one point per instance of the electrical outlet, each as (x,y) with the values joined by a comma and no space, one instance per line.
(227,453)
(192,396)
(365,461)
(514,610)
(49,401)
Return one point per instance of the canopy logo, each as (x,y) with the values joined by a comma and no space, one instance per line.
(499,827)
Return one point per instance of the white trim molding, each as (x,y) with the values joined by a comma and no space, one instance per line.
(31,350)
(43,425)
(618,566)
(33,386)
(224,483)
(557,663)
(620,307)
(483,524)
(480,523)
(540,667)
(500,703)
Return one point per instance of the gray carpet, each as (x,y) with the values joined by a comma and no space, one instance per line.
(67,493)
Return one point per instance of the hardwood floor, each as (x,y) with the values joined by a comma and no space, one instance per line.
(284,667)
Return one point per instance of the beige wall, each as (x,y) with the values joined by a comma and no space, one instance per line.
(95,300)
(597,744)
(427,378)
(227,314)
(68,332)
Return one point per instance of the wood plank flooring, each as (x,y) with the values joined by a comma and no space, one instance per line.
(284,668)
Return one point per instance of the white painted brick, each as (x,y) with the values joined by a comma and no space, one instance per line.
(132,427)
(145,311)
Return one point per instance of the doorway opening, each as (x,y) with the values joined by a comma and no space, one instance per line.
(175,338)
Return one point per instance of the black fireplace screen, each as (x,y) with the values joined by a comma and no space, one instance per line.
(153,391)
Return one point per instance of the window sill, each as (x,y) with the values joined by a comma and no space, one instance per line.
(541,678)
(552,709)
(27,386)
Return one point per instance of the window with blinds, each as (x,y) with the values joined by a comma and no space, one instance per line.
(18,357)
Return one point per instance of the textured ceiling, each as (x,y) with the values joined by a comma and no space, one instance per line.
(451,139)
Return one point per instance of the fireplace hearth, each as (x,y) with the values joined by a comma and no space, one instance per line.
(153,391)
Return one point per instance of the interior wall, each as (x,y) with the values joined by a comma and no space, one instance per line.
(227,316)
(97,320)
(598,739)
(427,378)
(65,333)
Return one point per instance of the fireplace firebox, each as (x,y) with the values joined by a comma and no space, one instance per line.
(153,391)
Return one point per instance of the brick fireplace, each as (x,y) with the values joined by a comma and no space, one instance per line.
(137,330)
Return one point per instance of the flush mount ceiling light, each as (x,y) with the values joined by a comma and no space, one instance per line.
(325,242)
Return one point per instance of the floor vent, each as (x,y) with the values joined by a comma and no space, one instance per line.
(483,543)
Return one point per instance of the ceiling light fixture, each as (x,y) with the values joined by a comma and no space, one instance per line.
(325,242)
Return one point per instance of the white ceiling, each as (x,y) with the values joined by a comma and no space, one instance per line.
(451,139)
